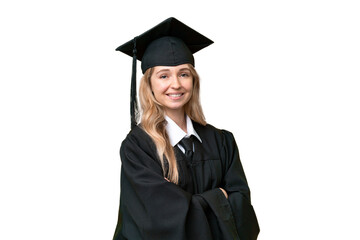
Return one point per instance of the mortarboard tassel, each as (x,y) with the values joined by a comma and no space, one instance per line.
(133,100)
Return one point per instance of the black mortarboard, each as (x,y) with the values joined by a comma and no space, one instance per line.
(169,43)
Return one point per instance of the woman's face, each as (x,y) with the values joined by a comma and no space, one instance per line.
(172,86)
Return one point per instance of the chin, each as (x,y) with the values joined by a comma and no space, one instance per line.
(175,107)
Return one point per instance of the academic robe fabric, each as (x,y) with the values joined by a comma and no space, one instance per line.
(151,208)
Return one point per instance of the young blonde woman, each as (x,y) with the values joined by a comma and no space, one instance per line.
(181,178)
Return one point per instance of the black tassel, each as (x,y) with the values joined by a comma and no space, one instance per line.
(133,99)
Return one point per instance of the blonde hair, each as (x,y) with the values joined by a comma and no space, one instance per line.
(153,121)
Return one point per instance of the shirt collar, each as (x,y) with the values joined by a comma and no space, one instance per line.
(175,133)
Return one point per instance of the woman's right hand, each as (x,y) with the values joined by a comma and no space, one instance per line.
(225,193)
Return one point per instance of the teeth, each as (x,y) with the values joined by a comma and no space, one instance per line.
(175,95)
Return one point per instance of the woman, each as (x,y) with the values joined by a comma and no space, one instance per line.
(181,178)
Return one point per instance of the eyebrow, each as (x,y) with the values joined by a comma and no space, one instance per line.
(163,70)
(167,70)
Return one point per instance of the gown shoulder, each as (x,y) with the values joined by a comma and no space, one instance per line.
(138,138)
(222,137)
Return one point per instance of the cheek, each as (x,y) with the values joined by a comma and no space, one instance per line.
(189,85)
(157,87)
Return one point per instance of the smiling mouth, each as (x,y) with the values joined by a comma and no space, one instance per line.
(175,96)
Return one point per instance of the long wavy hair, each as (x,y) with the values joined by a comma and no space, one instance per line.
(154,123)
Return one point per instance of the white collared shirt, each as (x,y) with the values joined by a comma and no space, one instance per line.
(175,133)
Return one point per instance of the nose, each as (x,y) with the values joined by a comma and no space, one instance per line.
(175,83)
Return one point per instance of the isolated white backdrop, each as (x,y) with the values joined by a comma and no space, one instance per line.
(283,76)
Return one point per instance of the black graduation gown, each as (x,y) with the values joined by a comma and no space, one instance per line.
(153,208)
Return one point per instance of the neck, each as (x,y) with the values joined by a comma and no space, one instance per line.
(179,118)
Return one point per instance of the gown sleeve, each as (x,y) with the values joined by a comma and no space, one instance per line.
(235,184)
(155,208)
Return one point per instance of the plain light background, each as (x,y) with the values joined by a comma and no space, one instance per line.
(283,76)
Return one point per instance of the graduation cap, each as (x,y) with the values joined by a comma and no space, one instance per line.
(169,43)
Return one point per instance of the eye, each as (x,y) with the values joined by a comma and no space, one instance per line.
(163,76)
(184,75)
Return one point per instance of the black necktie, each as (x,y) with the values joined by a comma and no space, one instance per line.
(187,144)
